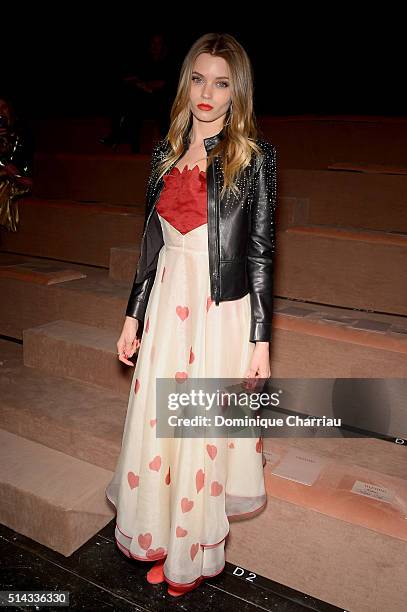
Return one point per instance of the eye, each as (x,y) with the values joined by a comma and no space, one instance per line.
(223,83)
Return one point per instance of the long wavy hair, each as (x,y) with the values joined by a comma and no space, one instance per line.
(240,130)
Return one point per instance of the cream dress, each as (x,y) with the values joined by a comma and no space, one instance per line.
(173,496)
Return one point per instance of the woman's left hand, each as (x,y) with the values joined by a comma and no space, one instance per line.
(260,362)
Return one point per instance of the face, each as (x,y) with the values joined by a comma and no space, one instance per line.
(210,85)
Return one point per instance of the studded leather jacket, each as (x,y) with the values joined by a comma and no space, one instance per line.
(241,236)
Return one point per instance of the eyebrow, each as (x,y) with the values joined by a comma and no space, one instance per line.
(222,77)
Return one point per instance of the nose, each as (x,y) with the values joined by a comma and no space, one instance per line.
(206,91)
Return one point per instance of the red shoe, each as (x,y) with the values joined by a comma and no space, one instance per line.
(177,591)
(156,574)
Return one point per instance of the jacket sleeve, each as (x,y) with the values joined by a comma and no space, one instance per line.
(140,291)
(261,247)
(138,300)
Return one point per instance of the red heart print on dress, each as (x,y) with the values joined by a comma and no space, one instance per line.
(145,540)
(194,550)
(231,445)
(154,554)
(216,488)
(155,464)
(133,480)
(147,325)
(153,422)
(181,376)
(186,504)
(180,532)
(182,312)
(199,480)
(191,355)
(212,451)
(168,477)
(208,303)
(136,385)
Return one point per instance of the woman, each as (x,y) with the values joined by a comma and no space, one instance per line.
(203,289)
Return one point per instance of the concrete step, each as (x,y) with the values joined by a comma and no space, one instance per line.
(123,262)
(72,231)
(314,141)
(110,178)
(65,134)
(82,135)
(346,509)
(35,298)
(51,497)
(313,340)
(79,419)
(347,199)
(77,351)
(369,168)
(347,267)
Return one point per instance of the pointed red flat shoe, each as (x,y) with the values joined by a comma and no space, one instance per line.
(177,591)
(156,574)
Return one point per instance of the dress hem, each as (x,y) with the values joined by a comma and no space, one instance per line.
(232,517)
(185,584)
(128,552)
(245,515)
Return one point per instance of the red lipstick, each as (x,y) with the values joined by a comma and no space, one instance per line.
(205,106)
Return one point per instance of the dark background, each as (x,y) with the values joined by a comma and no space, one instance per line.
(62,60)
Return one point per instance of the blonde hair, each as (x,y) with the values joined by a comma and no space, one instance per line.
(240,129)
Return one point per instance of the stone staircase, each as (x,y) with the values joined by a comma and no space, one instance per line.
(340,312)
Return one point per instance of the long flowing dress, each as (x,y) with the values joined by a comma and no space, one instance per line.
(173,496)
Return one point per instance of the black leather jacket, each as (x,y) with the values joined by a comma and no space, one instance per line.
(241,236)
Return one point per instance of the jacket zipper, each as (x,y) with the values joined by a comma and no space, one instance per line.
(217,236)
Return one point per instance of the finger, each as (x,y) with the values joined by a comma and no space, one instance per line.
(122,357)
(250,378)
(126,361)
(136,345)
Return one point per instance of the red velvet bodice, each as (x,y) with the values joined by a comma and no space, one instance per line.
(183,200)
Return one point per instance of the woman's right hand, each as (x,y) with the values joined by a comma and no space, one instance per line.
(127,344)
